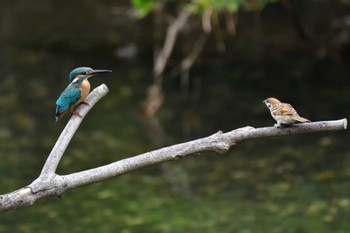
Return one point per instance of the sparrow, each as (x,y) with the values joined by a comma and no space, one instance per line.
(283,113)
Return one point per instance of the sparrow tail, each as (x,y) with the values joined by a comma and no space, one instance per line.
(301,119)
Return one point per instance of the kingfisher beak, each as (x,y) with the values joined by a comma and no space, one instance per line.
(100,71)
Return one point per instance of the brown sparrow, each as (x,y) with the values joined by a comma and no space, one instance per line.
(283,113)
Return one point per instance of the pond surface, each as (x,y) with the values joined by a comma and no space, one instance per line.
(287,184)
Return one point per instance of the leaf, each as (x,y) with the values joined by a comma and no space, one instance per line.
(143,7)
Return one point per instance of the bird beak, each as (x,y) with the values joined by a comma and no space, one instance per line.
(100,71)
(264,101)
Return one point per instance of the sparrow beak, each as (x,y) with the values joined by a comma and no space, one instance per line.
(264,101)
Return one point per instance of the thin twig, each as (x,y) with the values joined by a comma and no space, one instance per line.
(170,39)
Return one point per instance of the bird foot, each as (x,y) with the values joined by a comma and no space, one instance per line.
(76,114)
(282,125)
(83,102)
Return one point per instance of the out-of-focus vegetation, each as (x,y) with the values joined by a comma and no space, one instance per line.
(144,7)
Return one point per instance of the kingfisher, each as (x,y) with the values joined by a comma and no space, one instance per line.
(76,91)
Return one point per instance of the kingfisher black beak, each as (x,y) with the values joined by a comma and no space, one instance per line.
(100,71)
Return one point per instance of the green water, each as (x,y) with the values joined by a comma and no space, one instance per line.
(293,184)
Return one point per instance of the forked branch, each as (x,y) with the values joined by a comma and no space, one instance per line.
(50,184)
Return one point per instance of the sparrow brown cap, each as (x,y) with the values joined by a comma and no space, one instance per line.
(272,100)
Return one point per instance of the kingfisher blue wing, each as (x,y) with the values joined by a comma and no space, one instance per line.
(68,98)
(76,91)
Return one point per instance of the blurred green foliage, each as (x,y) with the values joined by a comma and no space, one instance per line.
(230,5)
(144,7)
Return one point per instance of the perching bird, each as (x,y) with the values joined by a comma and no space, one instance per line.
(283,113)
(76,92)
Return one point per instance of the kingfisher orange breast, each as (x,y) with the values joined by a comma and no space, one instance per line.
(85,90)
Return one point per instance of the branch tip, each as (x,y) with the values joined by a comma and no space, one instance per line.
(345,122)
(104,87)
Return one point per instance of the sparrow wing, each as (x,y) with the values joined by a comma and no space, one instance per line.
(68,98)
(283,109)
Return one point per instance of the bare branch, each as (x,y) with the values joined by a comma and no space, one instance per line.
(70,129)
(206,19)
(48,183)
(54,185)
(219,142)
(170,39)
